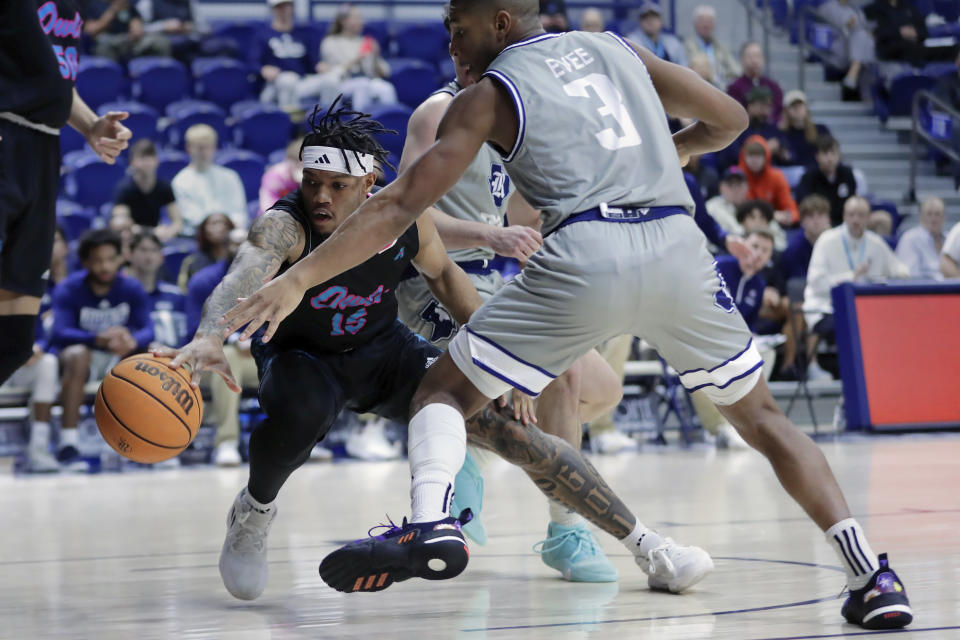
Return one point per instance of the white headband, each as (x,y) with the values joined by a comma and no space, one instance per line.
(332,159)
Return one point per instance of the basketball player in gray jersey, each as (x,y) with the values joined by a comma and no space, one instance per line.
(580,120)
(470,221)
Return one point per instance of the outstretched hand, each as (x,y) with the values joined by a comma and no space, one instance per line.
(524,407)
(201,354)
(108,137)
(269,306)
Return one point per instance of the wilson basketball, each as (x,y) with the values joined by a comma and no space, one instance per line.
(147,411)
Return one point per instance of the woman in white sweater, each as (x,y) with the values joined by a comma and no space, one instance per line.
(356,59)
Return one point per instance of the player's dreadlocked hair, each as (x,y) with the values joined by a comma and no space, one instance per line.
(347,130)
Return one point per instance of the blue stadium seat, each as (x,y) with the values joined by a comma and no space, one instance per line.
(427,41)
(222,81)
(159,81)
(939,69)
(392,117)
(186,113)
(413,79)
(99,80)
(170,163)
(949,9)
(313,33)
(142,121)
(389,175)
(902,90)
(173,257)
(447,70)
(262,130)
(239,108)
(243,33)
(249,165)
(73,218)
(71,140)
(276,157)
(89,181)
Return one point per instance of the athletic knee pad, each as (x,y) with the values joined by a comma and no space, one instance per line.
(16,343)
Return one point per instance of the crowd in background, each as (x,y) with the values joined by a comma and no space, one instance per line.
(782,185)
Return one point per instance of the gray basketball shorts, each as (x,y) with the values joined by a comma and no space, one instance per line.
(595,280)
(424,314)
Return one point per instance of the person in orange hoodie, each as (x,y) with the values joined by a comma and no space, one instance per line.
(766,182)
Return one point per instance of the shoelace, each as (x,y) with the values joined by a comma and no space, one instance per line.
(248,538)
(660,556)
(585,542)
(390,528)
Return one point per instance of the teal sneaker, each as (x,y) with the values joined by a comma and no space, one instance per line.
(468,494)
(574,552)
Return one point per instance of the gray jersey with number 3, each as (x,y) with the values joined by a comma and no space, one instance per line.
(591,126)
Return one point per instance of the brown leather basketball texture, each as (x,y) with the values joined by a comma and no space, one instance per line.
(147,411)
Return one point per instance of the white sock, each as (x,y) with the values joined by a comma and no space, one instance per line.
(437,445)
(562,515)
(641,540)
(40,435)
(858,559)
(68,437)
(257,506)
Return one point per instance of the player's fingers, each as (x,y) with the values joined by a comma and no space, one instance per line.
(116,116)
(227,375)
(123,133)
(235,318)
(111,144)
(534,234)
(502,401)
(272,324)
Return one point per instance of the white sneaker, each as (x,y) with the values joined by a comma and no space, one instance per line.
(320,453)
(674,568)
(729,438)
(612,442)
(243,559)
(227,454)
(369,442)
(817,373)
(40,460)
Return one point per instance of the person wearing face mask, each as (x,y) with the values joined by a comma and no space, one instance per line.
(766,182)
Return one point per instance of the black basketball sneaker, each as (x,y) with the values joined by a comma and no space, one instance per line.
(882,603)
(429,550)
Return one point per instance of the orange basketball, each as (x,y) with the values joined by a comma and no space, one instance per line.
(147,411)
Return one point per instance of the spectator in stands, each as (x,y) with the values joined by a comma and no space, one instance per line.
(856,49)
(284,59)
(814,220)
(920,247)
(766,182)
(881,223)
(355,59)
(665,46)
(553,16)
(733,193)
(282,178)
(121,223)
(99,316)
(722,63)
(141,195)
(759,108)
(168,311)
(948,87)
(757,215)
(799,130)
(846,253)
(830,178)
(950,257)
(751,58)
(225,404)
(118,33)
(900,31)
(213,245)
(700,63)
(592,20)
(202,187)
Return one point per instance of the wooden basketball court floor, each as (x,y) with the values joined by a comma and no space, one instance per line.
(135,555)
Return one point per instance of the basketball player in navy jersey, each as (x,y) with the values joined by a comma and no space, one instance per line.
(345,348)
(38,66)
(580,120)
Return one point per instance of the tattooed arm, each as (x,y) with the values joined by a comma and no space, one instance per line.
(274,238)
(559,471)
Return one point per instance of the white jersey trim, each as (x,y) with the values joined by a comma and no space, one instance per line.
(523,43)
(627,46)
(521,112)
(720,377)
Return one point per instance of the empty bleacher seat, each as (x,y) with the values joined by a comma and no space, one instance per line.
(142,121)
(159,81)
(186,113)
(223,81)
(939,69)
(99,80)
(73,218)
(71,140)
(89,181)
(249,165)
(173,257)
(169,163)
(413,79)
(902,90)
(242,33)
(427,41)
(393,117)
(262,129)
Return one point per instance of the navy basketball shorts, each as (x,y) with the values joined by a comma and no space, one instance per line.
(29,179)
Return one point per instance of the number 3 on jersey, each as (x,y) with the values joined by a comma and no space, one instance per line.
(613,106)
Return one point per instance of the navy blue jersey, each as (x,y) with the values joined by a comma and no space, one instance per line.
(354,307)
(289,51)
(168,313)
(38,58)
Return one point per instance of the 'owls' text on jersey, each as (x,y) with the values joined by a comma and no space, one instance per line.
(480,196)
(615,145)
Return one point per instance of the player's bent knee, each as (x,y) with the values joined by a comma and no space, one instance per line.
(76,359)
